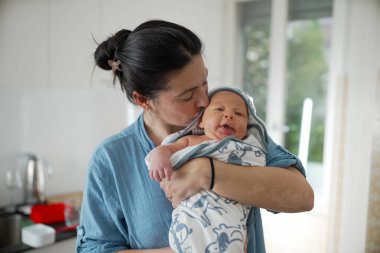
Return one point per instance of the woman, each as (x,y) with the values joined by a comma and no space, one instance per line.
(160,67)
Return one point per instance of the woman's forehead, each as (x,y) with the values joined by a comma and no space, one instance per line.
(190,77)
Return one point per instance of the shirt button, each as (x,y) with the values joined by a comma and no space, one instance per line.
(80,231)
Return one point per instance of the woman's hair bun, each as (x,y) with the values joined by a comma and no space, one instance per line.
(108,49)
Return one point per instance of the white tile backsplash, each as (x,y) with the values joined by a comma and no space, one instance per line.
(64,125)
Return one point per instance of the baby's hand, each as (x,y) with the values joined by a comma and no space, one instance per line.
(159,174)
(160,166)
(160,171)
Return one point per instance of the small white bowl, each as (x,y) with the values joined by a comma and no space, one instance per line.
(38,235)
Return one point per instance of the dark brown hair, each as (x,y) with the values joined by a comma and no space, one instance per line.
(148,55)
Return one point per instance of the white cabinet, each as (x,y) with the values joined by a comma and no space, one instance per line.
(47,43)
(72,24)
(23,43)
(65,246)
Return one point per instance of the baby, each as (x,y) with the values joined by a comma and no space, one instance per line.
(206,221)
(226,115)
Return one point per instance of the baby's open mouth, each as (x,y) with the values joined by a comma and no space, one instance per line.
(226,126)
(227,129)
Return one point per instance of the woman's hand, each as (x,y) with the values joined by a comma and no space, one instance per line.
(185,182)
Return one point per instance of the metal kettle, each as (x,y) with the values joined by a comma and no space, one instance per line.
(34,180)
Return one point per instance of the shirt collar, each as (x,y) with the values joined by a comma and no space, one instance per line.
(141,132)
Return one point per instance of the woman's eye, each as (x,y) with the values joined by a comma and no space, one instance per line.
(188,98)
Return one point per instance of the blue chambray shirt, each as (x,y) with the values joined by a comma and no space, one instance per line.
(124,209)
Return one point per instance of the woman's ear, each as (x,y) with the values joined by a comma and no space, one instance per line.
(141,100)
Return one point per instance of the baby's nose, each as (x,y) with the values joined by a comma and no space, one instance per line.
(228,115)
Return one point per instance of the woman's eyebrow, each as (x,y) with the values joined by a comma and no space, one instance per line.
(186,91)
(193,88)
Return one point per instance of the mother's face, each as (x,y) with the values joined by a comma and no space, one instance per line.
(186,94)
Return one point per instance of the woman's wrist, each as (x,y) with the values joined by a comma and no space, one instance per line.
(212,173)
(204,172)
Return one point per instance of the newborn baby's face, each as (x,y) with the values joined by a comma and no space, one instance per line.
(226,115)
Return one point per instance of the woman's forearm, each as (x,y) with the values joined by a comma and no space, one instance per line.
(284,190)
(278,189)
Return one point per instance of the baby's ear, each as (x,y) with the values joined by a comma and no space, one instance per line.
(201,125)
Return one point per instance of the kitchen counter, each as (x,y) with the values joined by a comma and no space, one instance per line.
(13,235)
(65,246)
(62,233)
(60,237)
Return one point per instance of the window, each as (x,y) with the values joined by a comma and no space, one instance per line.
(289,89)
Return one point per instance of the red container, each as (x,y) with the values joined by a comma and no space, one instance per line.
(48,213)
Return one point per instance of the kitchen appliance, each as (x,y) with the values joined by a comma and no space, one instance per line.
(34,180)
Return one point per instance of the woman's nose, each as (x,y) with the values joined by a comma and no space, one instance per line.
(202,100)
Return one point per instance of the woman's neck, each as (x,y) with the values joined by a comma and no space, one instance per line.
(156,129)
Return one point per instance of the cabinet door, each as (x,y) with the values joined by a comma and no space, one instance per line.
(23,43)
(72,24)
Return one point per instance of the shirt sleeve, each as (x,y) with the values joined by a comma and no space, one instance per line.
(278,156)
(100,228)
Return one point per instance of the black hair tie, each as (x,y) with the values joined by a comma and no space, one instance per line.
(212,173)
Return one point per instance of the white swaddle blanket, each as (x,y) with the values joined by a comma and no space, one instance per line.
(207,222)
(247,152)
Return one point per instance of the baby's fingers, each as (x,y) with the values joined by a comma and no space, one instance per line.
(168,173)
(151,175)
(161,174)
(156,176)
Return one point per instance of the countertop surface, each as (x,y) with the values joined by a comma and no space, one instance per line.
(22,247)
(60,235)
(62,232)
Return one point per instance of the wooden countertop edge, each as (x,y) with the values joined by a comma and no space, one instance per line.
(75,196)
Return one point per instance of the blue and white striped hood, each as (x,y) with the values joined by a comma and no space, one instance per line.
(255,126)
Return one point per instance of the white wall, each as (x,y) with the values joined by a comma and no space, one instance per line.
(51,102)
